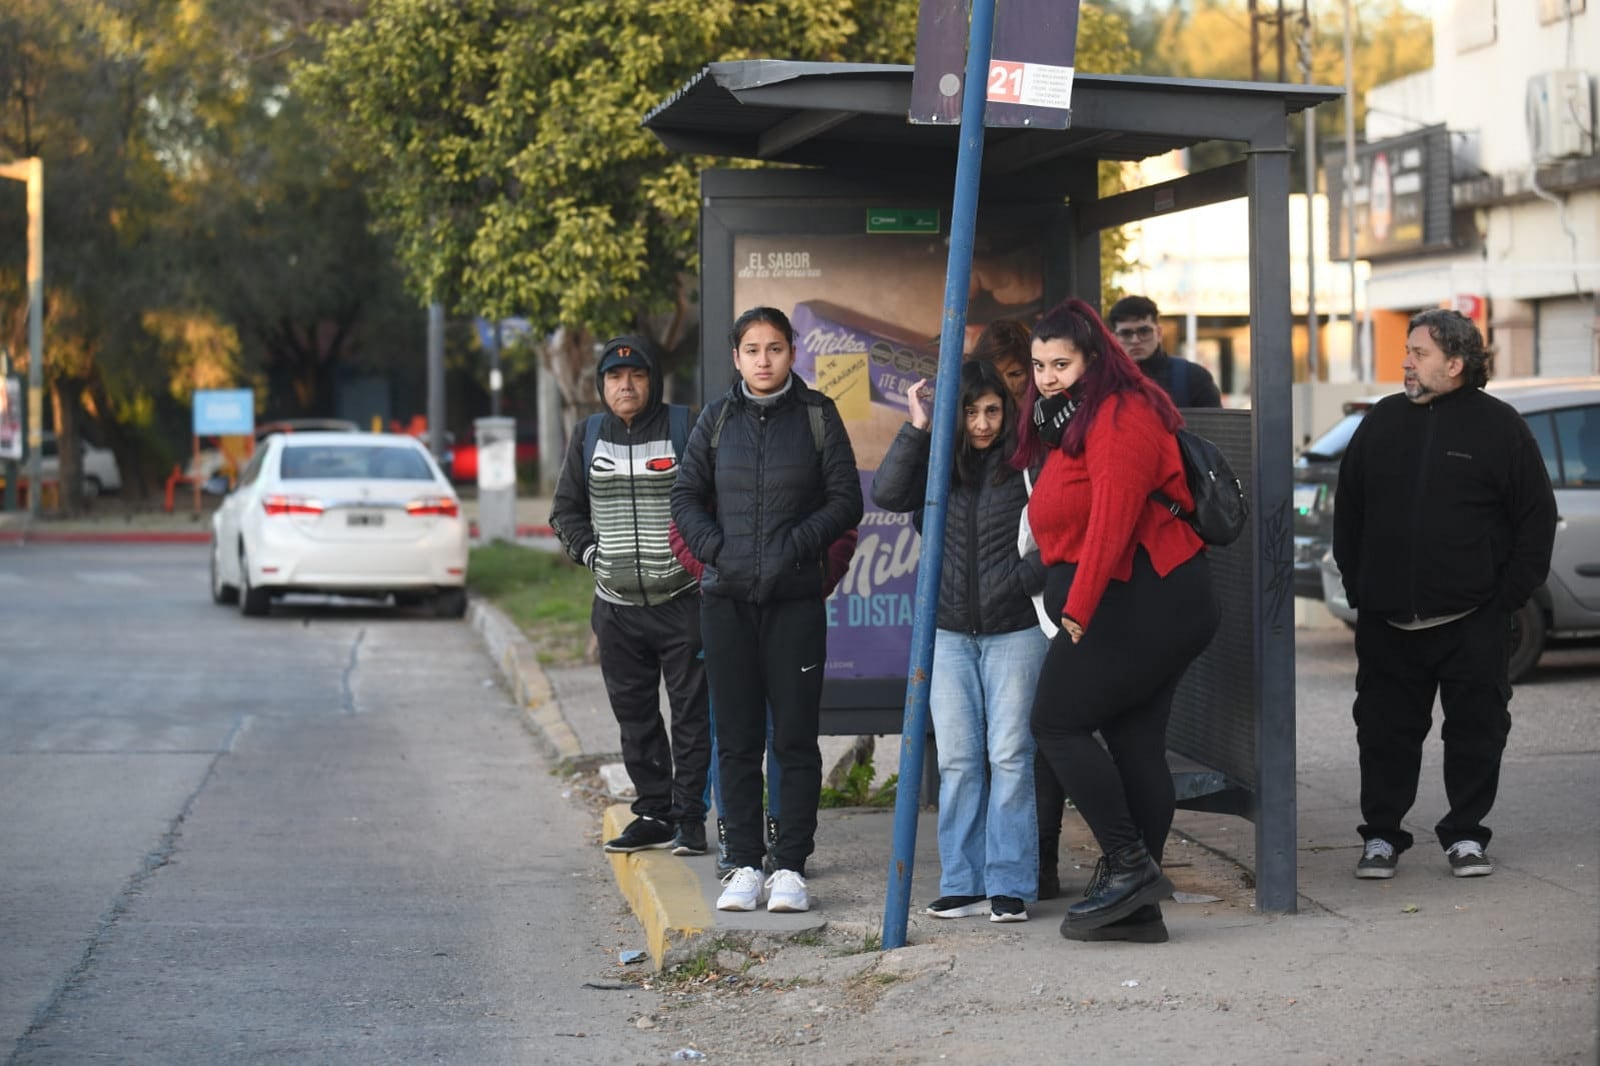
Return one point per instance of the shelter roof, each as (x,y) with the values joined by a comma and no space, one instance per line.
(853,116)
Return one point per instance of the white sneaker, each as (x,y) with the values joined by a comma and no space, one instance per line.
(743,891)
(786,892)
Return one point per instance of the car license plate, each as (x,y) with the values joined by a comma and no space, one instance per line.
(363,518)
(1305,497)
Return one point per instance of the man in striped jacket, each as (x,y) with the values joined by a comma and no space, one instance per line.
(612,511)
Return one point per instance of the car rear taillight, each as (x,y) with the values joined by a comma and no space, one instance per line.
(434,505)
(278,504)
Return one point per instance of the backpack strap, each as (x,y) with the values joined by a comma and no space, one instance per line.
(591,437)
(678,428)
(1180,381)
(814,411)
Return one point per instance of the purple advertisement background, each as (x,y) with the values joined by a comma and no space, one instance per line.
(869,614)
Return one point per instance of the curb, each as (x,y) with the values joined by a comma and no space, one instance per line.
(664,894)
(518,660)
(662,891)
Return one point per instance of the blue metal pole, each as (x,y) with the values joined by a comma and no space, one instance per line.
(958,275)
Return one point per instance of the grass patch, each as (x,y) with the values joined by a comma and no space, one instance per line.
(546,594)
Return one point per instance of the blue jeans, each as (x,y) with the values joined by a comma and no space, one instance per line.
(713,793)
(979,696)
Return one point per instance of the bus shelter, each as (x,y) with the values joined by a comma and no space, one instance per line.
(846,233)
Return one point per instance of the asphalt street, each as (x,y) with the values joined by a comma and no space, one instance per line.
(324,836)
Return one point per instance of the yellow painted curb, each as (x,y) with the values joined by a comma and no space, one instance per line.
(664,893)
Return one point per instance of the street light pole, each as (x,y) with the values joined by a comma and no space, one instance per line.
(31,170)
(1349,184)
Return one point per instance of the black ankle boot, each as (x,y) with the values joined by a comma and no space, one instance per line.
(1129,880)
(1049,861)
(1143,926)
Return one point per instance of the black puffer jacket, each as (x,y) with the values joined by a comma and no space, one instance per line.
(984,585)
(761,512)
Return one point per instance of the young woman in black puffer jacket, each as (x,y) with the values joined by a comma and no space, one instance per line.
(986,653)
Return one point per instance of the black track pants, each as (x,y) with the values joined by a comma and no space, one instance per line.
(760,656)
(639,647)
(1397,674)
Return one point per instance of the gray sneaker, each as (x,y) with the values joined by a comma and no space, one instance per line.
(1468,860)
(1377,861)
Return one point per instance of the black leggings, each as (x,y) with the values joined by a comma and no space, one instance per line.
(1118,681)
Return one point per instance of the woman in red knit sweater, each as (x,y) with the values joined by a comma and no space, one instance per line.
(1132,589)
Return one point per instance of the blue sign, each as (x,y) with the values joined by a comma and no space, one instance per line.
(224,412)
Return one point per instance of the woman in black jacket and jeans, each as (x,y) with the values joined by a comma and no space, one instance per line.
(760,507)
(986,653)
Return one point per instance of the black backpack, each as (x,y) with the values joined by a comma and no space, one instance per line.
(1220,505)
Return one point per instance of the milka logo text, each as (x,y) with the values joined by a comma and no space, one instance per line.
(831,342)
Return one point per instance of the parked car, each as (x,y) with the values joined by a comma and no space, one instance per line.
(305,425)
(100,471)
(1564,414)
(352,514)
(461,457)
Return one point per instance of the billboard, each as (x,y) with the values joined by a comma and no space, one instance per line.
(866,309)
(1400,197)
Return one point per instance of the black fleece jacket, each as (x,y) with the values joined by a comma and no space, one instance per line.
(984,585)
(1442,507)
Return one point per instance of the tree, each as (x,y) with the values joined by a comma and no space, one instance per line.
(196,231)
(503,144)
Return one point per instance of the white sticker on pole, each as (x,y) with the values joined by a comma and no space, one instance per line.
(1031,84)
(497,466)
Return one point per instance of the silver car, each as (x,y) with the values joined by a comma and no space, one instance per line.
(1564,414)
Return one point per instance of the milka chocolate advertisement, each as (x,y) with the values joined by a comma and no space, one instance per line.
(866,311)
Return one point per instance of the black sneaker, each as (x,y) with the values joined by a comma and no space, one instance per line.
(1468,860)
(1377,860)
(691,838)
(1007,909)
(957,906)
(642,834)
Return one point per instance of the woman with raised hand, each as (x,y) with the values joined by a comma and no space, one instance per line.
(1131,585)
(986,649)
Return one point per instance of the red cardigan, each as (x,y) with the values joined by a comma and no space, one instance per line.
(1095,509)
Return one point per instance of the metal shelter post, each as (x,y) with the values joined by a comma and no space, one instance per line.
(1271,384)
(963,223)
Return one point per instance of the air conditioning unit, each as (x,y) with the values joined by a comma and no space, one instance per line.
(1560,115)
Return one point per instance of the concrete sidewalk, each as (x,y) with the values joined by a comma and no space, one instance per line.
(1423,968)
(1522,943)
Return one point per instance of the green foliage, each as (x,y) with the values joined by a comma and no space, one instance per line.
(503,144)
(545,593)
(858,790)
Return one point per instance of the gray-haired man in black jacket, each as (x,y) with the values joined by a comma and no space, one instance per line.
(1444,522)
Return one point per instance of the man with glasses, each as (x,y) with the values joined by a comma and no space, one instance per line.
(1137,323)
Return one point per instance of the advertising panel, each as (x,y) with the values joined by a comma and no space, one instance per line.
(866,310)
(1400,197)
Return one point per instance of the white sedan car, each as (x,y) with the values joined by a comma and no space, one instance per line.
(350,514)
